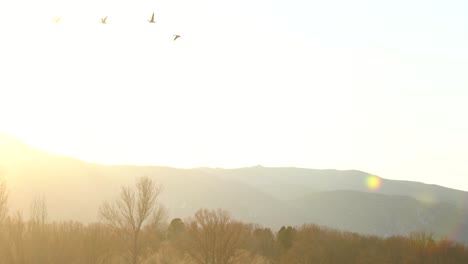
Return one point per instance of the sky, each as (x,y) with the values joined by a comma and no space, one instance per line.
(377,86)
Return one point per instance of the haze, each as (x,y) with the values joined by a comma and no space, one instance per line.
(366,85)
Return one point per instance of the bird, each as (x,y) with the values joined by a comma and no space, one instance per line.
(176,37)
(152,19)
(103,20)
(56,20)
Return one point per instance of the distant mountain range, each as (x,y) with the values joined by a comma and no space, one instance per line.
(272,197)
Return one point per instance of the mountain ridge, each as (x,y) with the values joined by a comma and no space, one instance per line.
(74,190)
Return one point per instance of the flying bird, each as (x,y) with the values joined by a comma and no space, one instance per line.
(56,20)
(152,19)
(103,20)
(176,37)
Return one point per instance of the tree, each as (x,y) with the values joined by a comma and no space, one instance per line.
(286,236)
(310,245)
(263,243)
(127,215)
(38,213)
(38,229)
(214,238)
(3,200)
(176,229)
(423,244)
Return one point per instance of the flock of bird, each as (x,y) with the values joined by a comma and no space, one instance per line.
(104,21)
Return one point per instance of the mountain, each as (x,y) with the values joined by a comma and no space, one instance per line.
(383,215)
(298,182)
(74,189)
(273,197)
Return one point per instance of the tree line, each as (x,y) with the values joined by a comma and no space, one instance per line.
(134,229)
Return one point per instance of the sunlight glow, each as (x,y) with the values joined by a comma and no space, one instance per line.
(266,82)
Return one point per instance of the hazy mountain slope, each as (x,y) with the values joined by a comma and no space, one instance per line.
(291,183)
(270,196)
(378,214)
(74,189)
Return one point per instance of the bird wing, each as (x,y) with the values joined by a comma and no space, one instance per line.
(152,17)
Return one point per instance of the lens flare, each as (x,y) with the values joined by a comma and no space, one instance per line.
(373,182)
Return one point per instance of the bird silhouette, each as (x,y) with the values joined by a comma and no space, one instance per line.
(176,37)
(56,20)
(103,20)
(152,19)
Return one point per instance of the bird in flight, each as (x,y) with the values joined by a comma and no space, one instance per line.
(103,20)
(176,37)
(152,19)
(56,20)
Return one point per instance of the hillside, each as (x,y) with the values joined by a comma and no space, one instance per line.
(273,197)
(383,215)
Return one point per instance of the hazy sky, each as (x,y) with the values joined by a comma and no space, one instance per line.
(378,86)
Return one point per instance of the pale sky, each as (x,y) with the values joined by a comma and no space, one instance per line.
(378,86)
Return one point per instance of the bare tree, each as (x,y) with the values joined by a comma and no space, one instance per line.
(155,231)
(214,238)
(38,230)
(3,200)
(4,239)
(127,215)
(38,213)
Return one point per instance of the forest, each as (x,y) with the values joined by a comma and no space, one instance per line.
(135,229)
